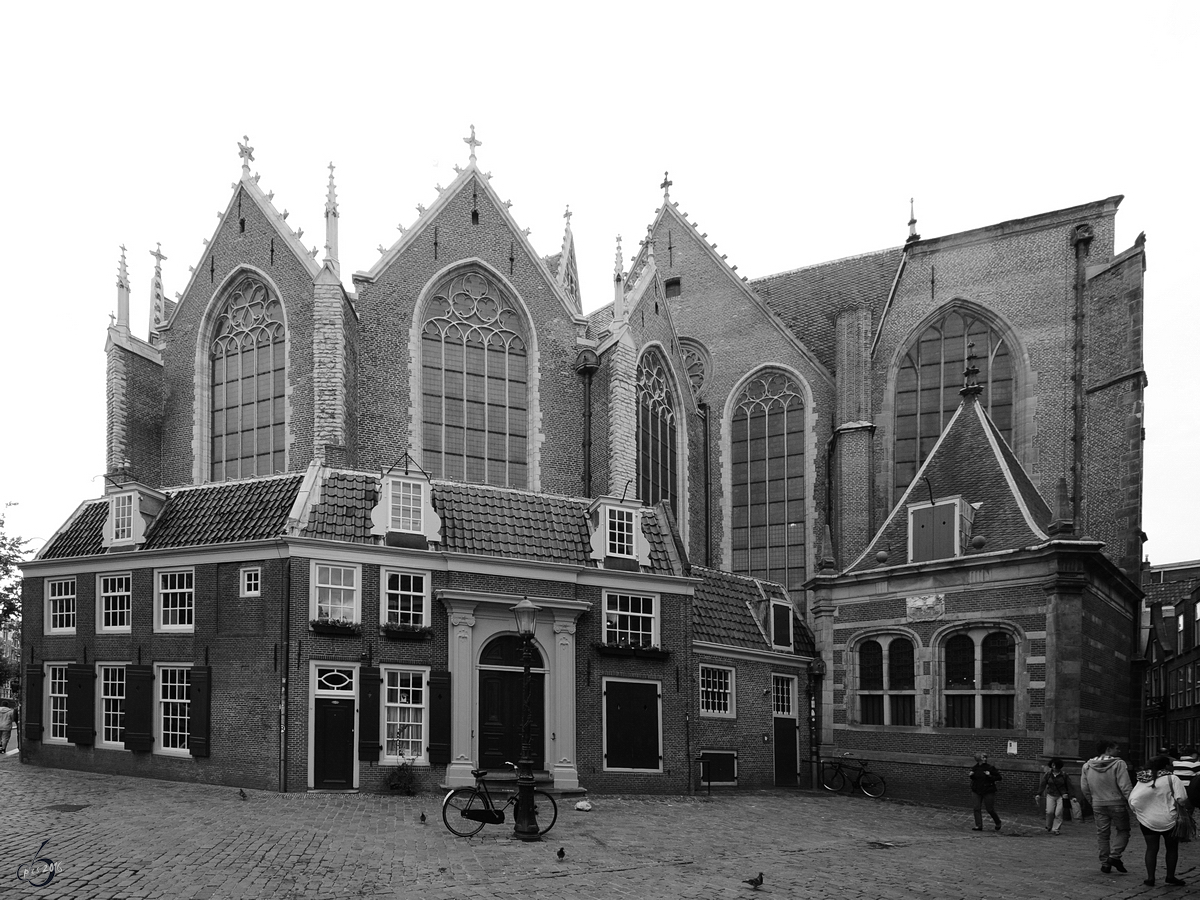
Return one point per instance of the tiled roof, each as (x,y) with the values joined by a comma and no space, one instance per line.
(723,610)
(964,462)
(657,526)
(1170,593)
(229,512)
(810,299)
(82,536)
(599,320)
(343,512)
(497,522)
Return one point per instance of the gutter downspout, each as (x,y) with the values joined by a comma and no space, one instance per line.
(283,681)
(586,364)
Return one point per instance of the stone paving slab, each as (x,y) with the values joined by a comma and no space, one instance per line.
(138,838)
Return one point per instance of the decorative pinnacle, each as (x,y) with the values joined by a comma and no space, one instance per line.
(122,271)
(158,257)
(912,223)
(331,197)
(619,266)
(246,152)
(666,185)
(567,215)
(381,249)
(971,387)
(472,143)
(649,243)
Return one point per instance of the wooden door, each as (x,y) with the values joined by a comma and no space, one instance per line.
(501,705)
(333,744)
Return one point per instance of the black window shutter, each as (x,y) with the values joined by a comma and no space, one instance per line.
(199,709)
(81,705)
(369,681)
(439,718)
(139,708)
(34,676)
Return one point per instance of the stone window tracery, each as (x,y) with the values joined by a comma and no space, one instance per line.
(657,440)
(696,363)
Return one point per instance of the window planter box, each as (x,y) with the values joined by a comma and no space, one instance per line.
(405,633)
(626,650)
(330,626)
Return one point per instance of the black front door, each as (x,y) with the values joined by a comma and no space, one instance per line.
(500,709)
(785,752)
(333,744)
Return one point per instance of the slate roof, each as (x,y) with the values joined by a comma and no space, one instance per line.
(723,611)
(599,319)
(809,299)
(970,459)
(251,510)
(83,535)
(343,511)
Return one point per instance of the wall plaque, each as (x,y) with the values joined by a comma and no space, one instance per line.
(926,607)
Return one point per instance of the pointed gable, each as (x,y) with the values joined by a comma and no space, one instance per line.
(972,461)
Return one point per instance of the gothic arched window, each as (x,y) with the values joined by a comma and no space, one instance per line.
(767,479)
(249,382)
(930,377)
(474,384)
(657,443)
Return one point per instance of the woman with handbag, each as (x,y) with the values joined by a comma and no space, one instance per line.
(1054,791)
(1156,800)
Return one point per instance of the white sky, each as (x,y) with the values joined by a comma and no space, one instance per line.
(793,133)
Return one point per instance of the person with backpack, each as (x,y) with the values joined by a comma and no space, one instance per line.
(1054,791)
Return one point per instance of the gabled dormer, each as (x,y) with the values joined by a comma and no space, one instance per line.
(132,509)
(939,529)
(617,538)
(404,515)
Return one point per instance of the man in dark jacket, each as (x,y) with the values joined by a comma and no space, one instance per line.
(983,788)
(1106,785)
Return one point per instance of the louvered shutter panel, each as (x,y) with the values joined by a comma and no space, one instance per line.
(369,682)
(139,708)
(199,710)
(81,705)
(439,718)
(34,703)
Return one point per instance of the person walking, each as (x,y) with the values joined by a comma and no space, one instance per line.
(1155,801)
(1105,785)
(983,777)
(1055,792)
(1186,767)
(6,724)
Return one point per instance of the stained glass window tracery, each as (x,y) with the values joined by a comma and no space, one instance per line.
(657,440)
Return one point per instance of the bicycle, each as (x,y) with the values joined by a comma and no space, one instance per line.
(466,810)
(837,773)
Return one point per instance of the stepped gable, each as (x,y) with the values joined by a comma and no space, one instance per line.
(252,510)
(83,535)
(343,512)
(723,612)
(969,460)
(809,299)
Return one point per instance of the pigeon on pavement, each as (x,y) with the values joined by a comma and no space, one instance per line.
(755,882)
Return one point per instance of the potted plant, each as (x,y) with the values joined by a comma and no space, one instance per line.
(335,626)
(400,631)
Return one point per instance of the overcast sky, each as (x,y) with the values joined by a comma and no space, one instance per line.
(793,133)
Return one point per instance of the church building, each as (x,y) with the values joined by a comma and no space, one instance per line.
(888,505)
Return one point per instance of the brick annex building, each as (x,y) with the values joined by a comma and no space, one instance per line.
(322,504)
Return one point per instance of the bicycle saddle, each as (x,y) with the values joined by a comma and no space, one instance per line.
(478,773)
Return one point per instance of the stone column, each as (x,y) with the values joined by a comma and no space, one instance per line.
(1064,665)
(461,664)
(564,768)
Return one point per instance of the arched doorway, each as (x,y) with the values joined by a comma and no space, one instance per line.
(501,674)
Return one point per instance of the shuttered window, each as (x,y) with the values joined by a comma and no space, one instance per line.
(632,725)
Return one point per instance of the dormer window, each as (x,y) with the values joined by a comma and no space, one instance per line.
(939,530)
(616,532)
(620,531)
(781,626)
(404,515)
(122,518)
(404,505)
(131,510)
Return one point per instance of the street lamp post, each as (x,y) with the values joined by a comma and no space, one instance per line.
(525,826)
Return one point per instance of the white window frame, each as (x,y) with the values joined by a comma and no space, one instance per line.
(159,624)
(423,671)
(122,518)
(730,692)
(612,632)
(604,682)
(409,516)
(793,699)
(102,596)
(101,740)
(791,625)
(250,581)
(49,612)
(620,532)
(48,695)
(385,575)
(314,604)
(159,743)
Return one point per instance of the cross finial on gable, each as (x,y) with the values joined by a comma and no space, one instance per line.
(158,255)
(666,185)
(567,215)
(246,152)
(472,143)
(619,267)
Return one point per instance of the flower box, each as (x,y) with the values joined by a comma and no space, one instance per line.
(335,627)
(395,632)
(629,650)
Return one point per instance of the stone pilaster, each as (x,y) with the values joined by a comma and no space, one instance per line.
(461,665)
(564,767)
(1064,665)
(622,417)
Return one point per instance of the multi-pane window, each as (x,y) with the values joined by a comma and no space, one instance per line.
(930,377)
(887,682)
(716,691)
(248,356)
(405,505)
(767,502)
(60,604)
(782,694)
(116,594)
(474,384)
(336,591)
(251,582)
(630,619)
(404,598)
(980,680)
(176,599)
(620,531)
(657,441)
(122,511)
(112,704)
(174,699)
(56,688)
(404,709)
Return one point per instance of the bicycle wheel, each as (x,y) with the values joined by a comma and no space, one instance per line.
(546,810)
(872,785)
(456,804)
(832,778)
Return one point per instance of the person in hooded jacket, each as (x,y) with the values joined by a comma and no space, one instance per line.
(1106,786)
(1155,801)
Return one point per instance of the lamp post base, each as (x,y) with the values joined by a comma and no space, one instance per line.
(525,826)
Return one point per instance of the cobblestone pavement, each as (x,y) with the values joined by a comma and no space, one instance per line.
(137,838)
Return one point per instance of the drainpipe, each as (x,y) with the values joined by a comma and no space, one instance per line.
(1082,239)
(586,364)
(283,680)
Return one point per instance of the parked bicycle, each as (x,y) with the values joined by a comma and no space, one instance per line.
(466,810)
(837,773)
